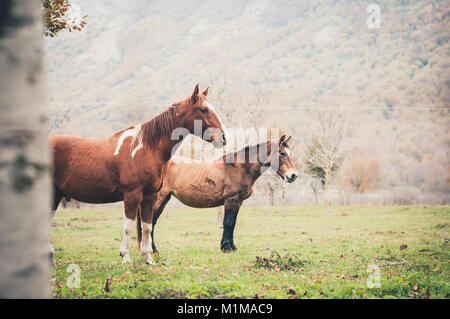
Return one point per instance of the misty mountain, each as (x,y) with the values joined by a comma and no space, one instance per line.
(267,63)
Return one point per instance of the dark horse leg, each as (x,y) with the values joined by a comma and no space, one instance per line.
(229,221)
(156,214)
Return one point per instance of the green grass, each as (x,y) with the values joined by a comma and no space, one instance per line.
(311,253)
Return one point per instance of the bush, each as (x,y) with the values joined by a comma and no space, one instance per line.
(278,262)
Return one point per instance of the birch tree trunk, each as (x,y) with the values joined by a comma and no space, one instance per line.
(314,188)
(24,156)
(220,214)
(271,195)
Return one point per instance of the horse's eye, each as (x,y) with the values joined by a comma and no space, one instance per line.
(204,111)
(282,154)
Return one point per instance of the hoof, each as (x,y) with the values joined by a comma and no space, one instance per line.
(226,247)
(125,258)
(148,258)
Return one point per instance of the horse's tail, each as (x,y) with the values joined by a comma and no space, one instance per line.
(139,228)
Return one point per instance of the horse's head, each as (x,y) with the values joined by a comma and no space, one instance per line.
(286,168)
(196,109)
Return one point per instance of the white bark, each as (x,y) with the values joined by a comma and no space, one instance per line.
(220,214)
(24,156)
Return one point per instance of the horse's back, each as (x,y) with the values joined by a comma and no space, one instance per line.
(63,141)
(195,183)
(183,171)
(77,150)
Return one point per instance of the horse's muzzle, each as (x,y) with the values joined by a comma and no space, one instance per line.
(219,140)
(291,176)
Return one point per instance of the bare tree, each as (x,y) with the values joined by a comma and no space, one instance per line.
(56,122)
(324,152)
(361,173)
(271,191)
(24,157)
(283,199)
(316,185)
(254,105)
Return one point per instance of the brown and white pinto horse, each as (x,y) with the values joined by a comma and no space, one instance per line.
(130,165)
(227,181)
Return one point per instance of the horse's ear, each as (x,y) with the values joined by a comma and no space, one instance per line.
(205,92)
(282,139)
(288,139)
(194,96)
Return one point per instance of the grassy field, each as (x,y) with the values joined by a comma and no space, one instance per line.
(311,253)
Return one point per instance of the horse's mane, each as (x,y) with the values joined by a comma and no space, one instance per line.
(161,125)
(245,151)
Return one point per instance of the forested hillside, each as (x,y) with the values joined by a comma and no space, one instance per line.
(273,63)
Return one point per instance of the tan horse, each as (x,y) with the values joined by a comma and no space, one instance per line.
(227,182)
(130,165)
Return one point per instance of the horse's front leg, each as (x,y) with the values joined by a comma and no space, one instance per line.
(148,206)
(131,202)
(229,222)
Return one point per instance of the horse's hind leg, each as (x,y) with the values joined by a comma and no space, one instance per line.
(162,202)
(131,204)
(229,222)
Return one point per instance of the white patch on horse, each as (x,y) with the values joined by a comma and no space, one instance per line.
(138,136)
(211,107)
(128,225)
(288,151)
(146,244)
(127,133)
(135,134)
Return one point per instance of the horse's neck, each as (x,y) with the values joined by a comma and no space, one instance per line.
(158,132)
(251,167)
(252,170)
(168,147)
